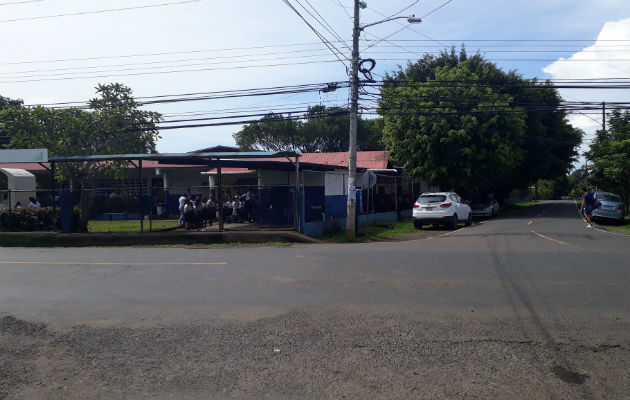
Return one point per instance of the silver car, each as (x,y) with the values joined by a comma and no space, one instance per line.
(611,207)
(484,206)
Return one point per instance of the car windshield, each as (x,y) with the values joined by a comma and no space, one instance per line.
(438,198)
(608,197)
(481,200)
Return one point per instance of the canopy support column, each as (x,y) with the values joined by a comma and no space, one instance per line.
(220,194)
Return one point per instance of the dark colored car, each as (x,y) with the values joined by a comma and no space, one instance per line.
(484,206)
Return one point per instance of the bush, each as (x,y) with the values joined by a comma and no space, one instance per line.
(27,219)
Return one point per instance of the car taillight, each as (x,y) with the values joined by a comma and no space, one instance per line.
(416,205)
(621,207)
(445,205)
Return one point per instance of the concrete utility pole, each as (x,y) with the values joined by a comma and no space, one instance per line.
(351,228)
(604,115)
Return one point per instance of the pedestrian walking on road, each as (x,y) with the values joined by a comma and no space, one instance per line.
(588,205)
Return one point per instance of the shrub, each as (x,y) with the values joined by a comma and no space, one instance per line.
(27,219)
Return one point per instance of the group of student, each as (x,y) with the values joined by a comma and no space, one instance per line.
(32,203)
(198,213)
(239,208)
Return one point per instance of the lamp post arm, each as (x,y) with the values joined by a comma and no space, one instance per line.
(411,20)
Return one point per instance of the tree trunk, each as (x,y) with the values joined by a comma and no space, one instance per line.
(84,210)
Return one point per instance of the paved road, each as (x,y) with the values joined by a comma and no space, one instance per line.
(531,305)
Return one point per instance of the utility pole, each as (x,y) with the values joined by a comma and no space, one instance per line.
(603,115)
(351,228)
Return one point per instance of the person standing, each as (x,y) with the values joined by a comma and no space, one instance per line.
(182,202)
(588,205)
(33,203)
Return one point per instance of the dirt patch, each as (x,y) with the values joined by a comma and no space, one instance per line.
(11,325)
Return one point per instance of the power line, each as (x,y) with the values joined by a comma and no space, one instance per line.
(331,30)
(435,9)
(136,68)
(309,54)
(321,37)
(172,71)
(99,11)
(20,2)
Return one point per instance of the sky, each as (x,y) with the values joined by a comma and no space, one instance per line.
(57,51)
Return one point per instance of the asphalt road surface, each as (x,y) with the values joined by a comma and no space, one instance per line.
(532,305)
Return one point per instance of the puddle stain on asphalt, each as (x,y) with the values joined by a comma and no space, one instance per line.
(568,376)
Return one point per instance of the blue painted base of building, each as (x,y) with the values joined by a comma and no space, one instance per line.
(315,229)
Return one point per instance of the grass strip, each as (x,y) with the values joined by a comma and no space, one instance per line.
(384,231)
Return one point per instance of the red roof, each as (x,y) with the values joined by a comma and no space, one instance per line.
(25,166)
(225,170)
(365,159)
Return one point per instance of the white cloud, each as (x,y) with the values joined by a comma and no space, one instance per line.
(594,61)
(600,60)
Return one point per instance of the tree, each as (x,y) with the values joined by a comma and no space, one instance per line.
(116,125)
(461,123)
(323,129)
(6,103)
(609,156)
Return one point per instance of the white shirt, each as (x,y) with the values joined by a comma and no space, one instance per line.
(182,202)
(37,204)
(187,207)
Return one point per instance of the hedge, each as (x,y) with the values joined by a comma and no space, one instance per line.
(27,219)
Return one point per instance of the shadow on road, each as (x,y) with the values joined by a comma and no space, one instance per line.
(533,326)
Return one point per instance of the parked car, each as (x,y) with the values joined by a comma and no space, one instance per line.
(444,208)
(611,206)
(484,206)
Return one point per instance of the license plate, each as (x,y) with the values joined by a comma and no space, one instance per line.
(608,207)
(427,209)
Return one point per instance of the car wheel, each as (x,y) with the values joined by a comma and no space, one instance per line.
(436,225)
(417,225)
(455,222)
(469,220)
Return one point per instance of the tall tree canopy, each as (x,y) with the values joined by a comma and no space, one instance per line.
(609,155)
(323,129)
(115,125)
(461,123)
(6,103)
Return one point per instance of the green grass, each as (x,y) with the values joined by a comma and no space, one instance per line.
(516,205)
(394,230)
(623,228)
(95,226)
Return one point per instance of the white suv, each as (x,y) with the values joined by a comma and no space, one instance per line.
(445,208)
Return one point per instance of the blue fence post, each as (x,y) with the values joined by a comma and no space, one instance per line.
(67,212)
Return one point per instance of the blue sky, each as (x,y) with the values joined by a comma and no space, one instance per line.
(268,32)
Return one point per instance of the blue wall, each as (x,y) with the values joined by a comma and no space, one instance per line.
(318,228)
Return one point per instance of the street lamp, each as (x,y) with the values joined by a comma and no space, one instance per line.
(351,228)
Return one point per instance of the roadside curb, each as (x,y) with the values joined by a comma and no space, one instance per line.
(54,239)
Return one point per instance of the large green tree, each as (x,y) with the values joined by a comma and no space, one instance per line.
(115,125)
(6,103)
(609,156)
(323,129)
(461,123)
